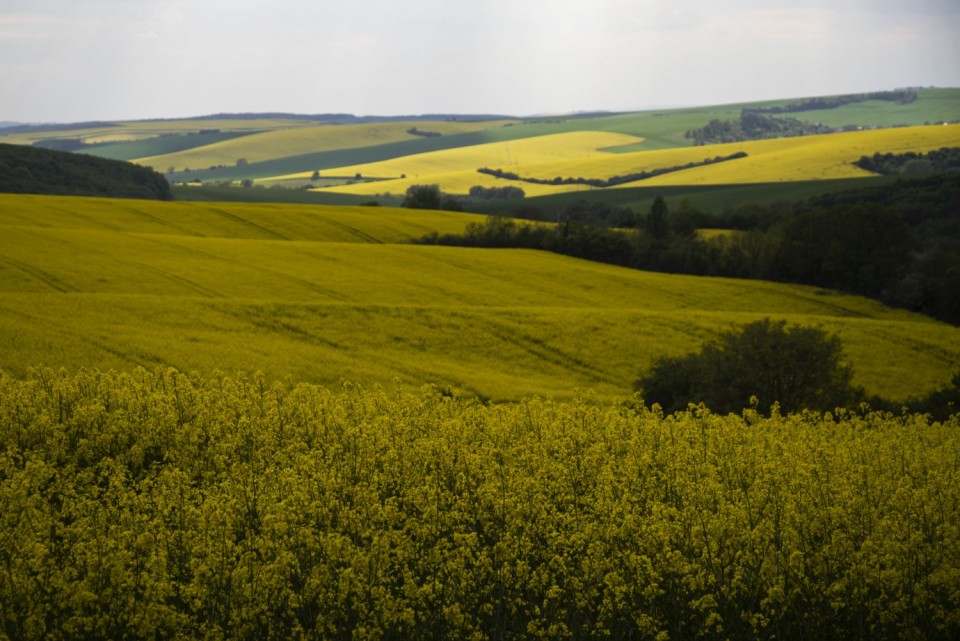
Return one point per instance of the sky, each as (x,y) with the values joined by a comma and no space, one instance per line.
(80,60)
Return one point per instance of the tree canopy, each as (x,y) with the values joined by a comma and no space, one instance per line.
(796,367)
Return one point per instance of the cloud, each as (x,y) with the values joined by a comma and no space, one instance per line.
(512,56)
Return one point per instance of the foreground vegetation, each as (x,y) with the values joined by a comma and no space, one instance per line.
(159,505)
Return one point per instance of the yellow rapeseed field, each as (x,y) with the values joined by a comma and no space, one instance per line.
(458,167)
(811,157)
(784,159)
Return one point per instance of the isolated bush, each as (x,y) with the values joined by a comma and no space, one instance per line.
(796,367)
(422,197)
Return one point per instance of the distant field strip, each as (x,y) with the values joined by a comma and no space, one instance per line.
(426,167)
(113,284)
(811,157)
(514,153)
(314,138)
(768,161)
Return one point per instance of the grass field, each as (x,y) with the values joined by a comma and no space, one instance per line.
(114,284)
(166,144)
(282,143)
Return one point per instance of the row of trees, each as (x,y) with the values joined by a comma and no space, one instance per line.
(612,181)
(507,192)
(900,96)
(909,163)
(752,125)
(898,242)
(852,248)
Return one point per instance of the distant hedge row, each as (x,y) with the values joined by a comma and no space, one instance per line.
(613,180)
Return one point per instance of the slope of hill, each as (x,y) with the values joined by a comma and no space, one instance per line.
(282,143)
(114,284)
(29,170)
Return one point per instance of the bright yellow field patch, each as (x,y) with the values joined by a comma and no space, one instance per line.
(451,168)
(808,158)
(454,182)
(270,145)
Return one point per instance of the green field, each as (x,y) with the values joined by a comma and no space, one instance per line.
(166,144)
(322,294)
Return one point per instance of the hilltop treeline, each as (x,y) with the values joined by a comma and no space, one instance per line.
(900,96)
(758,123)
(752,125)
(160,506)
(899,243)
(613,180)
(937,161)
(32,170)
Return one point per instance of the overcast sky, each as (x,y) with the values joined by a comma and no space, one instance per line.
(73,60)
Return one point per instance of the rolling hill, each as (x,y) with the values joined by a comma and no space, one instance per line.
(275,145)
(117,284)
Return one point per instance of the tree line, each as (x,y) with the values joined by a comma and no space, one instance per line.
(911,162)
(613,181)
(899,243)
(900,96)
(752,125)
(33,170)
